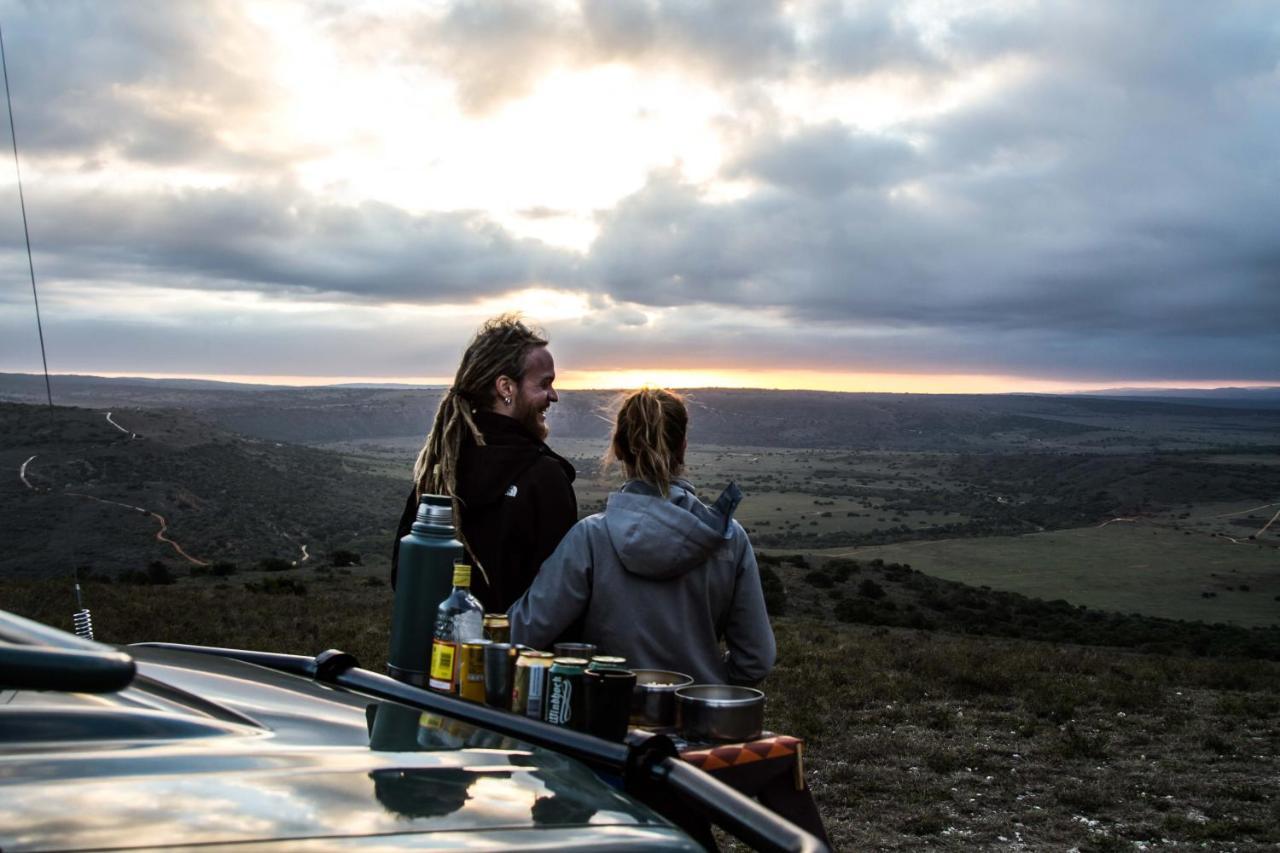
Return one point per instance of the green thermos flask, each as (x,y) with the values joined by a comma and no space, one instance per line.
(424,579)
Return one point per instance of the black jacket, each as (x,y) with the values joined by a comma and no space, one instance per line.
(517,504)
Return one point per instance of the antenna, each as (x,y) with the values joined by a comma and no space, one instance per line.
(13,132)
(82,620)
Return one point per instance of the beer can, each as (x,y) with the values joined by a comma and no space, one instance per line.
(531,676)
(599,662)
(499,674)
(497,627)
(471,670)
(564,696)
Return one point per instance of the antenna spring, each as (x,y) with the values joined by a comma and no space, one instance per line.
(83,623)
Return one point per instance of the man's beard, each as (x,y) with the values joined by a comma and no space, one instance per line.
(527,416)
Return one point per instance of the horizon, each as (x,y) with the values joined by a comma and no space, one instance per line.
(430,384)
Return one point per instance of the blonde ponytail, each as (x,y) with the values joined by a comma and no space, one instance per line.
(649,434)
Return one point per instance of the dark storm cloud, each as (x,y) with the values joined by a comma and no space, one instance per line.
(150,82)
(280,238)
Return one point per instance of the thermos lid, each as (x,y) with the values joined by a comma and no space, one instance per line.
(435,509)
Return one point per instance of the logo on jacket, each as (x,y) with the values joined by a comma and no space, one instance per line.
(511,490)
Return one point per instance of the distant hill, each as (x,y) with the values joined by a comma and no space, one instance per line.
(82,491)
(720,416)
(1240,398)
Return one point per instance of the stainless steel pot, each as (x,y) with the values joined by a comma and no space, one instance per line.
(719,712)
(653,701)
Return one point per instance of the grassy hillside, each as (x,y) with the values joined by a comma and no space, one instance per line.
(94,494)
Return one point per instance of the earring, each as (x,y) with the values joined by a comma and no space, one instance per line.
(507,400)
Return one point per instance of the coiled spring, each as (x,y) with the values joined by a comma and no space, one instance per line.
(83,623)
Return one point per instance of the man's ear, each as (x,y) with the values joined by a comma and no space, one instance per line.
(505,386)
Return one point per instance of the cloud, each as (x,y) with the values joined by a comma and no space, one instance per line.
(729,39)
(499,51)
(149,82)
(868,38)
(280,238)
(824,160)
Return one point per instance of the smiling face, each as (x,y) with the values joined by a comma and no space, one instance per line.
(533,394)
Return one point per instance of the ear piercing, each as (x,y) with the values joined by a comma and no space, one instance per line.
(507,400)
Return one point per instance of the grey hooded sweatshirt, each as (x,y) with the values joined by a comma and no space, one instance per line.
(660,581)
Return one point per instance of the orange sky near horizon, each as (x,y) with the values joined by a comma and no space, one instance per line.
(782,380)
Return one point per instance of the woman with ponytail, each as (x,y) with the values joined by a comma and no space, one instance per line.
(659,577)
(512,495)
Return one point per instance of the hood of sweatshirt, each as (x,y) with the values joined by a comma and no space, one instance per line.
(486,472)
(665,538)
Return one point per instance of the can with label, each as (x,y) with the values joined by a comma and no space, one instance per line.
(497,627)
(530,689)
(564,697)
(471,670)
(599,662)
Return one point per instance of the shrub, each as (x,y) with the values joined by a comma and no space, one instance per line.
(819,579)
(220,569)
(278,586)
(274,564)
(870,589)
(775,594)
(342,558)
(159,574)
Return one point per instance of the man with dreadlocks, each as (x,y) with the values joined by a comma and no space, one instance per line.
(512,495)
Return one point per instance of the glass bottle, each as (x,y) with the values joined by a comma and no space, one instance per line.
(460,618)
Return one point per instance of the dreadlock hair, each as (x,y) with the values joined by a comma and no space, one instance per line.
(649,436)
(499,348)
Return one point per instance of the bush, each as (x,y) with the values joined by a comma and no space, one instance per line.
(159,574)
(870,589)
(819,579)
(274,564)
(775,594)
(220,569)
(278,586)
(342,558)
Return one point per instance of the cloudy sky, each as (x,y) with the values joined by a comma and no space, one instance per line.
(923,196)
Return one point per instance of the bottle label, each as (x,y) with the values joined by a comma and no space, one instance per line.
(442,659)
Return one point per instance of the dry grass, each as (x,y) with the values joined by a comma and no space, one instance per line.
(920,740)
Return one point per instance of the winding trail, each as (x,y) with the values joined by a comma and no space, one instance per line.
(132,435)
(160,534)
(22,474)
(1244,511)
(1114,520)
(1268,524)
